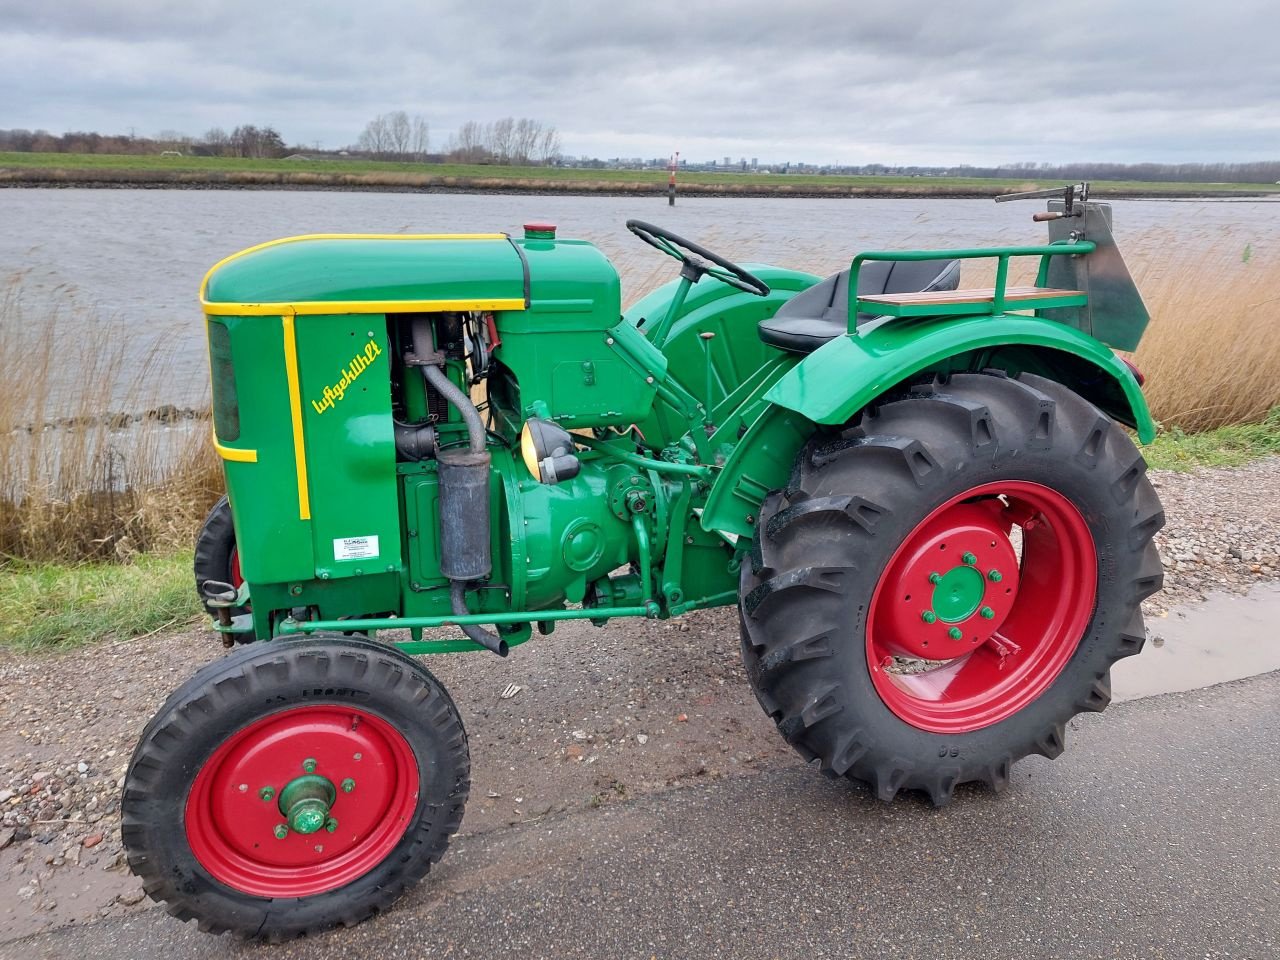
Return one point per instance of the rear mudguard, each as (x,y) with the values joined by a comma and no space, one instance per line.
(736,351)
(831,385)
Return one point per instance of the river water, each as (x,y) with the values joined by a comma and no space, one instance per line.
(134,258)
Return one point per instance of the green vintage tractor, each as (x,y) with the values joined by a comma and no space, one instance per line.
(919,497)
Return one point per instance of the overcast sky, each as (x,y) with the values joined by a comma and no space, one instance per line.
(851,82)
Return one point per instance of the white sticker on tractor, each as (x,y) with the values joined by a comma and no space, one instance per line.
(355,548)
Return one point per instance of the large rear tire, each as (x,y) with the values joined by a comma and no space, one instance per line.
(216,555)
(295,785)
(945,583)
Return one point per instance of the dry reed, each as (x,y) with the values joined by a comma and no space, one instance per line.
(78,481)
(1212,352)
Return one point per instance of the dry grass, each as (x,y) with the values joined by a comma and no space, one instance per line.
(83,476)
(81,482)
(1212,352)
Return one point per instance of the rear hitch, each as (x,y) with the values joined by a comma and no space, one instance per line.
(221,597)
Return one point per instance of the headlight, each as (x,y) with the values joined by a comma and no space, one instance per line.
(548,452)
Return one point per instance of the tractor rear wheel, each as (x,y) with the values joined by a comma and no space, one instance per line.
(294,786)
(947,582)
(216,555)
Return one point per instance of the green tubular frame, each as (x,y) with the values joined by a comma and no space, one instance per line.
(997,304)
(698,471)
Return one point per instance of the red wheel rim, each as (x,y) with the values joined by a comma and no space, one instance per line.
(997,628)
(233,815)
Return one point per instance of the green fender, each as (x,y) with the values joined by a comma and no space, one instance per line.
(833,383)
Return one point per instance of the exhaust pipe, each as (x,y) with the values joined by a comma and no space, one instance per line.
(464,509)
(490,641)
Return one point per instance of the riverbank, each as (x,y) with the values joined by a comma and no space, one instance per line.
(43,170)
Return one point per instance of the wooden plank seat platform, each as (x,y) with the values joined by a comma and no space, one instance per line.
(973,301)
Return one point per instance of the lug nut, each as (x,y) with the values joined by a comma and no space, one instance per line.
(266,793)
(995,576)
(348,785)
(331,824)
(281,831)
(935,577)
(987,613)
(929,616)
(309,765)
(955,633)
(968,559)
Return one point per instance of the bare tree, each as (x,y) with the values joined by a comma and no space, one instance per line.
(374,138)
(419,139)
(469,143)
(394,136)
(398,134)
(501,138)
(548,150)
(251,141)
(216,141)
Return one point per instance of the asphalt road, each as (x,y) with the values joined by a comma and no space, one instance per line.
(1157,835)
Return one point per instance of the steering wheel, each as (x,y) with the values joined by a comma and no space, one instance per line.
(698,260)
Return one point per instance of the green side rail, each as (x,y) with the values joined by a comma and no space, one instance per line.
(994,306)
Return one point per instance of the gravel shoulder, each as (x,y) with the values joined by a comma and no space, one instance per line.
(601,715)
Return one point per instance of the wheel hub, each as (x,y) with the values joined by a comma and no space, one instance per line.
(956,578)
(958,594)
(306,802)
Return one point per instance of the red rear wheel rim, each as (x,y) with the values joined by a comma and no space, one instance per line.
(233,811)
(996,628)
(237,577)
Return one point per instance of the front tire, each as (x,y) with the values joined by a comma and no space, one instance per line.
(294,786)
(943,585)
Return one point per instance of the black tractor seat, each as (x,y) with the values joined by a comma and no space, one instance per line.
(821,313)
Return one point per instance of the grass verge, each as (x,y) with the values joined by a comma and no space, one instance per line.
(1224,447)
(69,169)
(46,606)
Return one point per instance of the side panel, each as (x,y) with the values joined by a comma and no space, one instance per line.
(350,460)
(761,462)
(1115,313)
(275,542)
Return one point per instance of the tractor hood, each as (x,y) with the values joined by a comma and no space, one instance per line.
(358,273)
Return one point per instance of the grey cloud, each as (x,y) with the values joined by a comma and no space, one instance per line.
(909,82)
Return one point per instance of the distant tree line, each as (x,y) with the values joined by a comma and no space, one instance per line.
(246,140)
(398,136)
(395,136)
(1263,171)
(508,141)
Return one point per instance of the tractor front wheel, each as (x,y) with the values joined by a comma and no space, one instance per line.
(947,582)
(294,786)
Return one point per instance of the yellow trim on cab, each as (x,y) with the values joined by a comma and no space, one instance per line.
(295,413)
(313,307)
(204,284)
(231,453)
